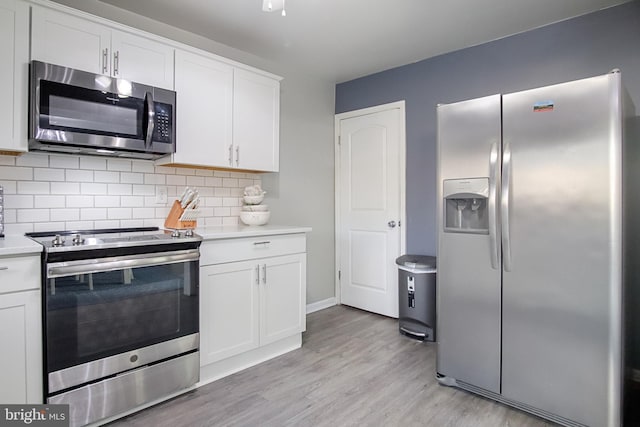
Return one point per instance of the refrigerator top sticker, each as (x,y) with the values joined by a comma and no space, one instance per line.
(542,106)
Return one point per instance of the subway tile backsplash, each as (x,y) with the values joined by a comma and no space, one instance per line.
(46,192)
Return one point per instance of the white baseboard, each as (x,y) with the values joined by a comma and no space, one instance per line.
(321,305)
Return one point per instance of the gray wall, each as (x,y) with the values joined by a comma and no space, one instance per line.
(581,47)
(302,192)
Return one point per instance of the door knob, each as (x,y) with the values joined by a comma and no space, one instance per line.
(391,224)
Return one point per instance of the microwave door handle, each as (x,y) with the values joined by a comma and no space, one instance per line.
(151,118)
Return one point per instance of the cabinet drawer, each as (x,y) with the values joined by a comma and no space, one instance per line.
(19,273)
(229,250)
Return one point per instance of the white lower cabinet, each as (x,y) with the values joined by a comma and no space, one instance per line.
(252,303)
(21,331)
(229,304)
(282,306)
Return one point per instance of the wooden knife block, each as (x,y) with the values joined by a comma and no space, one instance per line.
(173,219)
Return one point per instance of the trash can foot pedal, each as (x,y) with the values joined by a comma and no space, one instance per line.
(417,335)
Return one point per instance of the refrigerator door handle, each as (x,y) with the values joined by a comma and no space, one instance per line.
(504,205)
(493,198)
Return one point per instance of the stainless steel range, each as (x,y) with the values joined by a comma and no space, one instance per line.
(120,318)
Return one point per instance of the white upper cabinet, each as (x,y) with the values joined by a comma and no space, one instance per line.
(14,51)
(141,60)
(74,42)
(256,121)
(205,103)
(69,41)
(227,117)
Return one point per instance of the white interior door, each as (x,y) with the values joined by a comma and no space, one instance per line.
(370,206)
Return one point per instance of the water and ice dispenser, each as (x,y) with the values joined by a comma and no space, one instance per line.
(465,205)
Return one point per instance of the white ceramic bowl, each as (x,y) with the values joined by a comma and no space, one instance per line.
(253,200)
(255,208)
(254,218)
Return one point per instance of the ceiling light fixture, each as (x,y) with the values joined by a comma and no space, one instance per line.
(274,5)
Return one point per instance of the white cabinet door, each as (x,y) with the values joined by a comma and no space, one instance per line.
(256,121)
(141,60)
(74,42)
(205,98)
(69,41)
(229,310)
(227,117)
(282,297)
(21,355)
(14,70)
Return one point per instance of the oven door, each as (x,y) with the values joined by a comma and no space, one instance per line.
(103,316)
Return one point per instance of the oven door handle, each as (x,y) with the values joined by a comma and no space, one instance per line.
(68,268)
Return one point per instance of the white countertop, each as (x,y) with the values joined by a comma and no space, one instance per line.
(18,245)
(234,231)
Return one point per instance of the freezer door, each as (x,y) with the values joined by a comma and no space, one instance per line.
(468,281)
(561,243)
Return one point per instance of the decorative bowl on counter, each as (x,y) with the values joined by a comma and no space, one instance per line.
(253,200)
(254,218)
(255,208)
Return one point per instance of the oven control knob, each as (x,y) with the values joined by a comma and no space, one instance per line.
(57,241)
(77,240)
(175,233)
(188,233)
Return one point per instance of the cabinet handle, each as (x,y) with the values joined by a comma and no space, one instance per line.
(266,242)
(116,62)
(4,268)
(231,155)
(238,156)
(105,58)
(264,273)
(257,274)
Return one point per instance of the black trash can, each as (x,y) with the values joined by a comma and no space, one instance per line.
(417,296)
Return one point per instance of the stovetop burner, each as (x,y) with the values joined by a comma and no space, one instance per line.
(59,241)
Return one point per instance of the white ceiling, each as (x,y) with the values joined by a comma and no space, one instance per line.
(344,39)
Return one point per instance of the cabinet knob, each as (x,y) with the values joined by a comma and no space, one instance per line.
(391,224)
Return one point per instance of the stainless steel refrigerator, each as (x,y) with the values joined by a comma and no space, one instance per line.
(531,251)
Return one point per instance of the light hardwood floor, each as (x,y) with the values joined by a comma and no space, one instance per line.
(354,369)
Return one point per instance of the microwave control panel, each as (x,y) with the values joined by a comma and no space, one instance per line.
(164,126)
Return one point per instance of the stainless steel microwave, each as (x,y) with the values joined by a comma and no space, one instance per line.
(74,111)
